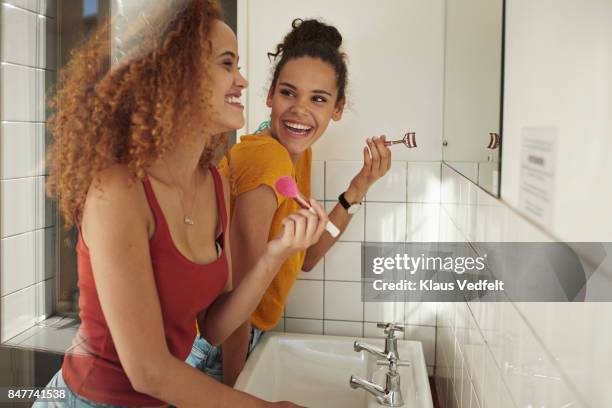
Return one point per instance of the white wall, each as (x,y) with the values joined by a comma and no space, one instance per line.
(27,270)
(395,52)
(558,65)
(514,354)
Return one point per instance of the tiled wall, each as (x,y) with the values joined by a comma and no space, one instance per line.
(502,355)
(402,206)
(28,53)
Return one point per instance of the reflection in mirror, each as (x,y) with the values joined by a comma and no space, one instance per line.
(472,90)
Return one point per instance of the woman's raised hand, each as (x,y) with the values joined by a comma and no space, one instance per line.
(300,230)
(376,163)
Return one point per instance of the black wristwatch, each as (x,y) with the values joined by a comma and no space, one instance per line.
(350,208)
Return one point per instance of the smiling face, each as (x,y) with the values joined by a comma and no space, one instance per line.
(303,101)
(227,83)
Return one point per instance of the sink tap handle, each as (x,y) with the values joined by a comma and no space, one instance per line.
(390,328)
(392,365)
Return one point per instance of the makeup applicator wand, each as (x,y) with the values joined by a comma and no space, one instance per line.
(286,187)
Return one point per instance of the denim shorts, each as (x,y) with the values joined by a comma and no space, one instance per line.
(72,400)
(208,358)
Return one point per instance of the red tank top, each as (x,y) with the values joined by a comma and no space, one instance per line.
(91,366)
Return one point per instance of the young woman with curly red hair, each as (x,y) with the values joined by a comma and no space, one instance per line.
(132,167)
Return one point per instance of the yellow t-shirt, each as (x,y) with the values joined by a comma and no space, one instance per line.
(260,160)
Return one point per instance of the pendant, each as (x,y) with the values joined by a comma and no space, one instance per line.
(187,220)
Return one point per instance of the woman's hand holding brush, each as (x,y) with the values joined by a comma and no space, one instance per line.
(301,230)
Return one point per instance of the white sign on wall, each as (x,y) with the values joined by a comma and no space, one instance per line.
(536,196)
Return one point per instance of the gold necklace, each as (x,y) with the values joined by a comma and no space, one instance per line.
(187,219)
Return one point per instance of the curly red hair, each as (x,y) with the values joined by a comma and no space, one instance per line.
(128,114)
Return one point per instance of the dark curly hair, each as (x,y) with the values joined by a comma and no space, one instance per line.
(315,39)
(128,114)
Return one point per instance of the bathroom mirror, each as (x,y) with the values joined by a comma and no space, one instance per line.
(473,75)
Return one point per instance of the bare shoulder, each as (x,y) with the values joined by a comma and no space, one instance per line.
(113,181)
(115,193)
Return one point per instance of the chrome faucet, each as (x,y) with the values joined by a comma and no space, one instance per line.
(390,344)
(383,354)
(391,340)
(391,394)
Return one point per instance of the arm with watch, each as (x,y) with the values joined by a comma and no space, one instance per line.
(376,163)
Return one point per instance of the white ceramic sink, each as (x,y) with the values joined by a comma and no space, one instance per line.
(314,371)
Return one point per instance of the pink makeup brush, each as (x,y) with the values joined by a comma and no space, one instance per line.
(286,187)
(409,140)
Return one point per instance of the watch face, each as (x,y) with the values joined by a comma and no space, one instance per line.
(354,208)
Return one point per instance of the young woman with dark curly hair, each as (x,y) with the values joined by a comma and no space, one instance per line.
(307,93)
(131,166)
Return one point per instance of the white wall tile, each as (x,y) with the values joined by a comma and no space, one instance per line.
(45,253)
(18,93)
(317,180)
(391,187)
(43,139)
(384,312)
(427,336)
(45,305)
(18,149)
(343,301)
(475,403)
(18,206)
(423,182)
(340,328)
(448,231)
(47,40)
(343,262)
(466,389)
(18,312)
(338,175)
(316,273)
(18,35)
(31,5)
(370,330)
(356,227)
(562,327)
(423,222)
(457,371)
(18,262)
(305,300)
(420,313)
(45,206)
(385,222)
(306,326)
(46,80)
(467,169)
